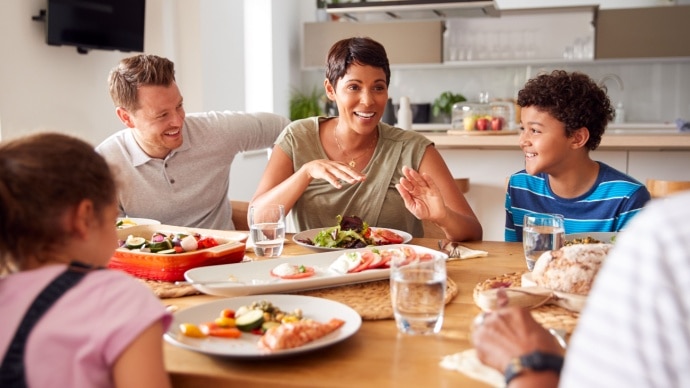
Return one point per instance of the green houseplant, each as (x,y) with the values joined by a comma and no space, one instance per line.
(443,104)
(303,105)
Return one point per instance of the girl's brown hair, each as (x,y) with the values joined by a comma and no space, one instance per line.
(42,176)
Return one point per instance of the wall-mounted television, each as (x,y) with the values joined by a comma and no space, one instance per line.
(96,24)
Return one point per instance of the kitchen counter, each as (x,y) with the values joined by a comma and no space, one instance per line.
(638,137)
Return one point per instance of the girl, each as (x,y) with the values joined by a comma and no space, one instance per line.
(57,227)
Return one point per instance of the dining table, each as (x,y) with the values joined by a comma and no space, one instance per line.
(376,355)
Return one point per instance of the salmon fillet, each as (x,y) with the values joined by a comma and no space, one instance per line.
(295,334)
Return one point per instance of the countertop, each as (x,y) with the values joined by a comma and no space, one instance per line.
(632,136)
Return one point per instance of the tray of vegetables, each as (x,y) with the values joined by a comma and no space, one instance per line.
(165,252)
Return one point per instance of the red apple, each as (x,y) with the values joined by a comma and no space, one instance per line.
(497,123)
(482,124)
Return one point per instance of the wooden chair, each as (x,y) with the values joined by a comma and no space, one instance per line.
(661,188)
(433,231)
(239,214)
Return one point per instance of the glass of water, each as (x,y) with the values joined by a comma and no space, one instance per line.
(267,229)
(418,293)
(541,233)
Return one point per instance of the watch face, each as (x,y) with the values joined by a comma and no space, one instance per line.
(534,361)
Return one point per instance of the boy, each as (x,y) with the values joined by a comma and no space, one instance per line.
(563,117)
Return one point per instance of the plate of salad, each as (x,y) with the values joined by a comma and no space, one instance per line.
(351,232)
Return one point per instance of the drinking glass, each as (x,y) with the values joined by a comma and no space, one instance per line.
(267,229)
(418,293)
(541,233)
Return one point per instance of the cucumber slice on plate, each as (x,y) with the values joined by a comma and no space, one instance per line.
(250,320)
(133,242)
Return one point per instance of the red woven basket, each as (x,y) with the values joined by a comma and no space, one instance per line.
(171,267)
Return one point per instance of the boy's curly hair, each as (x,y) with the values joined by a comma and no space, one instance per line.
(572,98)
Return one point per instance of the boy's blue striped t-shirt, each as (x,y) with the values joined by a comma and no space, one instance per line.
(607,207)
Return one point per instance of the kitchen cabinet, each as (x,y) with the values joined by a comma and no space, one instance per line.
(655,32)
(406,42)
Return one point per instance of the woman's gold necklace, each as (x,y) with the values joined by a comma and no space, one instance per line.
(353,160)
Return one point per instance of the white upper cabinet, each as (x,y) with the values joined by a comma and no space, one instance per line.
(603,4)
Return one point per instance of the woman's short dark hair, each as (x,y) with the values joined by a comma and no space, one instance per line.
(572,98)
(359,50)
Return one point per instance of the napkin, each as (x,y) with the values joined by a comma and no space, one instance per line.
(456,251)
(468,363)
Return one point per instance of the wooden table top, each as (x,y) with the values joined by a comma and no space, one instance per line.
(374,356)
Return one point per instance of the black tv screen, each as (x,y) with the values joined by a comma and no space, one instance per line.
(96,24)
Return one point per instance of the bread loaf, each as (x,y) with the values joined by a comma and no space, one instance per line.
(571,269)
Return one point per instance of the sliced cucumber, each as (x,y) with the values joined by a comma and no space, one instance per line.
(167,251)
(270,324)
(134,242)
(250,320)
(160,246)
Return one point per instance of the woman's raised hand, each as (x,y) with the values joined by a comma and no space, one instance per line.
(421,195)
(333,172)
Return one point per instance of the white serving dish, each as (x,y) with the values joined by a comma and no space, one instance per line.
(249,278)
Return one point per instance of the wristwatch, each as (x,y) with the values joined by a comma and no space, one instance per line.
(533,361)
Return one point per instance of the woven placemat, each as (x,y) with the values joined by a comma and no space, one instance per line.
(371,300)
(165,290)
(549,316)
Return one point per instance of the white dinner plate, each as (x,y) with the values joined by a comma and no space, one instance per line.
(311,233)
(604,237)
(131,221)
(318,309)
(251,278)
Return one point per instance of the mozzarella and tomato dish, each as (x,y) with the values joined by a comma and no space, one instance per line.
(353,262)
(376,258)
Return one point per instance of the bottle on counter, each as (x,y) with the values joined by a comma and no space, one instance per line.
(405,114)
(389,113)
(619,115)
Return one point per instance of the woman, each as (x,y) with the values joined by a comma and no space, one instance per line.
(353,164)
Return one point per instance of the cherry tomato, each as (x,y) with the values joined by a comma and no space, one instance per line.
(225,322)
(191,330)
(229,313)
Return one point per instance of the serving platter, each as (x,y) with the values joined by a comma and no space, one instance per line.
(311,233)
(171,267)
(318,309)
(250,278)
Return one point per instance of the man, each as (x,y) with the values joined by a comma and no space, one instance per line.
(174,167)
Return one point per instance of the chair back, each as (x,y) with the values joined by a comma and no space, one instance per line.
(239,214)
(661,188)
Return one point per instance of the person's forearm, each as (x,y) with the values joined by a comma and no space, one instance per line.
(286,193)
(459,227)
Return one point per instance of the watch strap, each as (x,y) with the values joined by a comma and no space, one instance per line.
(536,361)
